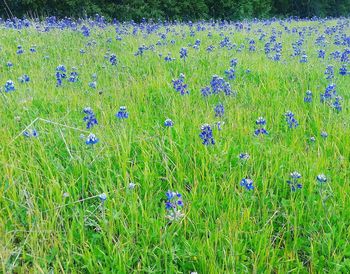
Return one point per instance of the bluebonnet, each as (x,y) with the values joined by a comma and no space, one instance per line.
(290,119)
(73,76)
(321,53)
(219,125)
(82,51)
(247,183)
(336,103)
(244,156)
(168,123)
(343,70)
(85,31)
(330,92)
(89,118)
(324,134)
(233,62)
(303,58)
(32,49)
(24,78)
(308,96)
(329,72)
(230,73)
(93,84)
(321,178)
(113,59)
(103,197)
(312,139)
(260,121)
(9,86)
(206,91)
(210,48)
(207,135)
(183,53)
(219,110)
(179,85)
(294,181)
(168,58)
(173,205)
(19,49)
(91,139)
(122,113)
(60,74)
(9,64)
(260,131)
(31,133)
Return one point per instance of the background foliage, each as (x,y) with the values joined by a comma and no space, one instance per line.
(175,9)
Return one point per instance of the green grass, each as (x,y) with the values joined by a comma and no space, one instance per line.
(225,229)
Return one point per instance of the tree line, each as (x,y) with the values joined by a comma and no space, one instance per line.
(175,9)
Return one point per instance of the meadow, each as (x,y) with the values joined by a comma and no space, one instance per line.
(174,147)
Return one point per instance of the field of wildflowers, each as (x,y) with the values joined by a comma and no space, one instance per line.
(158,147)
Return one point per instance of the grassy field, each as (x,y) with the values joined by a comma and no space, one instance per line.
(73,205)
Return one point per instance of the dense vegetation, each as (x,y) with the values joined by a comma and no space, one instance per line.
(169,148)
(179,9)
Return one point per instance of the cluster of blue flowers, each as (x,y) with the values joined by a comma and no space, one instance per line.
(9,86)
(207,135)
(294,181)
(30,133)
(247,183)
(261,122)
(60,74)
(122,113)
(173,205)
(290,119)
(89,118)
(179,85)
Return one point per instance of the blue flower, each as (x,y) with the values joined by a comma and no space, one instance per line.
(294,182)
(336,103)
(60,74)
(343,70)
(9,86)
(329,72)
(183,53)
(91,139)
(73,76)
(103,197)
(219,110)
(113,59)
(93,84)
(247,183)
(321,178)
(19,49)
(260,131)
(308,97)
(324,134)
(244,156)
(206,91)
(168,123)
(173,205)
(233,62)
(179,85)
(230,73)
(31,133)
(207,135)
(24,78)
(303,58)
(260,121)
(290,119)
(89,118)
(85,31)
(122,113)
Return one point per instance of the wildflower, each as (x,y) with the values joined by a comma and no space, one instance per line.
(244,156)
(294,183)
(113,59)
(324,134)
(312,139)
(30,133)
(207,135)
(179,85)
(247,183)
(290,119)
(260,121)
(85,31)
(183,53)
(233,63)
(131,185)
(93,84)
(103,197)
(261,131)
(329,93)
(91,139)
(89,118)
(205,91)
(9,64)
(321,178)
(168,123)
(73,76)
(174,205)
(122,113)
(329,72)
(19,49)
(24,78)
(219,125)
(303,58)
(308,97)
(9,86)
(336,104)
(231,74)
(219,110)
(60,74)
